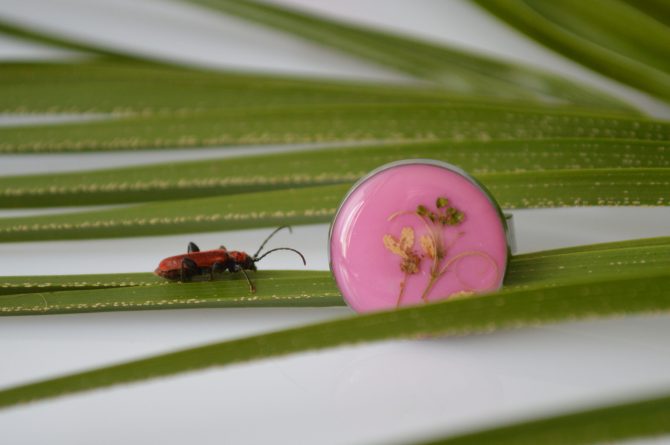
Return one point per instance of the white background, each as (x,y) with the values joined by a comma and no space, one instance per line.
(384,393)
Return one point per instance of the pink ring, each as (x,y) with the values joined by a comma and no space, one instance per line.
(417,231)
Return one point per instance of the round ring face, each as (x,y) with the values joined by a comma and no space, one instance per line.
(416,232)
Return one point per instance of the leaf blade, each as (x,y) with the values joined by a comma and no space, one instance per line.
(357,122)
(274,289)
(556,30)
(121,88)
(310,205)
(213,177)
(642,418)
(455,70)
(504,310)
(78,293)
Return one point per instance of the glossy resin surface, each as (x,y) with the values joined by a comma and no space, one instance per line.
(416,232)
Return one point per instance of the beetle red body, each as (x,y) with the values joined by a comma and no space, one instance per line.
(170,267)
(185,266)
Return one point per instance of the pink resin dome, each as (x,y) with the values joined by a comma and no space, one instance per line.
(413,232)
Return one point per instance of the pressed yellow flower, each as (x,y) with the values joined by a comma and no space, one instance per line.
(393,245)
(406,238)
(403,247)
(433,245)
(428,245)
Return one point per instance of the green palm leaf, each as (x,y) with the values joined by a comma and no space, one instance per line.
(644,293)
(608,36)
(558,188)
(179,180)
(275,289)
(644,242)
(550,263)
(90,293)
(326,124)
(120,88)
(454,70)
(59,283)
(658,9)
(11,28)
(642,418)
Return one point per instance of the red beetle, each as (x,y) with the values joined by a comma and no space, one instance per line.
(185,266)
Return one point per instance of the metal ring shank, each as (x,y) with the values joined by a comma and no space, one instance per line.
(511,237)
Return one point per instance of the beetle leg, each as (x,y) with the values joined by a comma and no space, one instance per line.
(188,269)
(216,267)
(192,247)
(252,288)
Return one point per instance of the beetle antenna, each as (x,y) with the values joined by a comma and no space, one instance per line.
(270,236)
(256,259)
